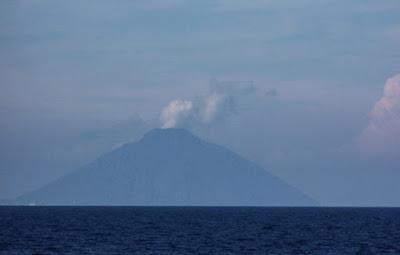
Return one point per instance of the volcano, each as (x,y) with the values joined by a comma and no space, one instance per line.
(169,167)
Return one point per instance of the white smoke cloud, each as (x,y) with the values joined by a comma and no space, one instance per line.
(211,107)
(175,112)
(219,103)
(382,135)
(216,105)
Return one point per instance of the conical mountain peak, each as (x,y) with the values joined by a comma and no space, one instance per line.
(169,167)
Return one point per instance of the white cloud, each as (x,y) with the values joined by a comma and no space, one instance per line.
(382,135)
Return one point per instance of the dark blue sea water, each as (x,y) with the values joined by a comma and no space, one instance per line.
(198,230)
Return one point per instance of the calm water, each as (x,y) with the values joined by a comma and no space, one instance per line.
(191,230)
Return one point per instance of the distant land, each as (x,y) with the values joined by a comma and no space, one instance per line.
(169,167)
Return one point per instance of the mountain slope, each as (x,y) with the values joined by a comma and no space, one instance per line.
(168,167)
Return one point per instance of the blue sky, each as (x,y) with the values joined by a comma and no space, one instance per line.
(74,68)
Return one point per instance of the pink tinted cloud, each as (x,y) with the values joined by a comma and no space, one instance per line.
(382,135)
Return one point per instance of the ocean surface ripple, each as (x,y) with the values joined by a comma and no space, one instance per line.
(198,230)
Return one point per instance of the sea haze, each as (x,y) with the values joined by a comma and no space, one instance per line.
(199,230)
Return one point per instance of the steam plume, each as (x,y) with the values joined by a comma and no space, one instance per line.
(175,111)
(218,103)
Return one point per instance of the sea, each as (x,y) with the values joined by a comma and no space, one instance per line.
(198,230)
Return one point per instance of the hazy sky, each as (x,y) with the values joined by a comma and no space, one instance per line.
(306,88)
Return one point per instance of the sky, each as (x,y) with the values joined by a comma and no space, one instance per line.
(309,90)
